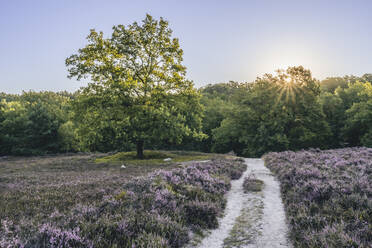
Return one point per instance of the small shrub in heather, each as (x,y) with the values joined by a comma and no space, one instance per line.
(201,214)
(327,195)
(251,184)
(158,210)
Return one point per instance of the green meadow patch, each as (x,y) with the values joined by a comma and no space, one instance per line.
(154,157)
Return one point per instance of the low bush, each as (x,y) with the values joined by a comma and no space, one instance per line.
(201,214)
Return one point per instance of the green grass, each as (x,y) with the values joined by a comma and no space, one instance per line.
(153,157)
(247,226)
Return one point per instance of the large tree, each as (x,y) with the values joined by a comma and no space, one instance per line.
(139,92)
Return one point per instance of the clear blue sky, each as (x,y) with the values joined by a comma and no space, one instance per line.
(222,40)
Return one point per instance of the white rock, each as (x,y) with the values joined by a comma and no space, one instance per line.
(167,159)
(123,167)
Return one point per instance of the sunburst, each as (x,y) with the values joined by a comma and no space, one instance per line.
(287,89)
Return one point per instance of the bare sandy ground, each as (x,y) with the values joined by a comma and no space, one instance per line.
(254,219)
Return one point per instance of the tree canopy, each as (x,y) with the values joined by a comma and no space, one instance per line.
(139,91)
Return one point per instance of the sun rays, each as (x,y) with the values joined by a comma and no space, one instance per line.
(287,88)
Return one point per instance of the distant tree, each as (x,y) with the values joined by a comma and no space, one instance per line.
(279,112)
(347,110)
(139,90)
(367,77)
(30,125)
(332,83)
(350,94)
(334,111)
(12,126)
(67,138)
(358,124)
(215,111)
(228,92)
(219,101)
(8,97)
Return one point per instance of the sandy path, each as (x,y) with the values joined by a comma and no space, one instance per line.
(274,228)
(253,219)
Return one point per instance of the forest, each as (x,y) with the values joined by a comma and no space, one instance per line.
(287,111)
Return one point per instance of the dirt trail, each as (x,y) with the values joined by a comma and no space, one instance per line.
(255,219)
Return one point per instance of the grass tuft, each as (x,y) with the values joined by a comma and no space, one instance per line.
(252,184)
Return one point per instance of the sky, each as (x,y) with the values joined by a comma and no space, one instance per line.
(222,40)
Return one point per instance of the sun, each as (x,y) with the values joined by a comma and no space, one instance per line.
(287,89)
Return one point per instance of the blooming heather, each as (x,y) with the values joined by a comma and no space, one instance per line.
(327,195)
(160,209)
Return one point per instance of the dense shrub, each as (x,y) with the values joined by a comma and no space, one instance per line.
(203,214)
(327,195)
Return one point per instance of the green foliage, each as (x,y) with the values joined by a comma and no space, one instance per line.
(225,137)
(277,113)
(218,100)
(358,126)
(139,92)
(345,104)
(31,124)
(14,121)
(67,136)
(332,107)
(288,111)
(348,113)
(350,95)
(8,97)
(227,92)
(330,84)
(274,113)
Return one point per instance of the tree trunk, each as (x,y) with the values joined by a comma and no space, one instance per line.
(140,149)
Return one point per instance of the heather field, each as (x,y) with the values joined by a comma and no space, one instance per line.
(327,195)
(73,201)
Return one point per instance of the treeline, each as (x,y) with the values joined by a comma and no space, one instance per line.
(36,123)
(287,111)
